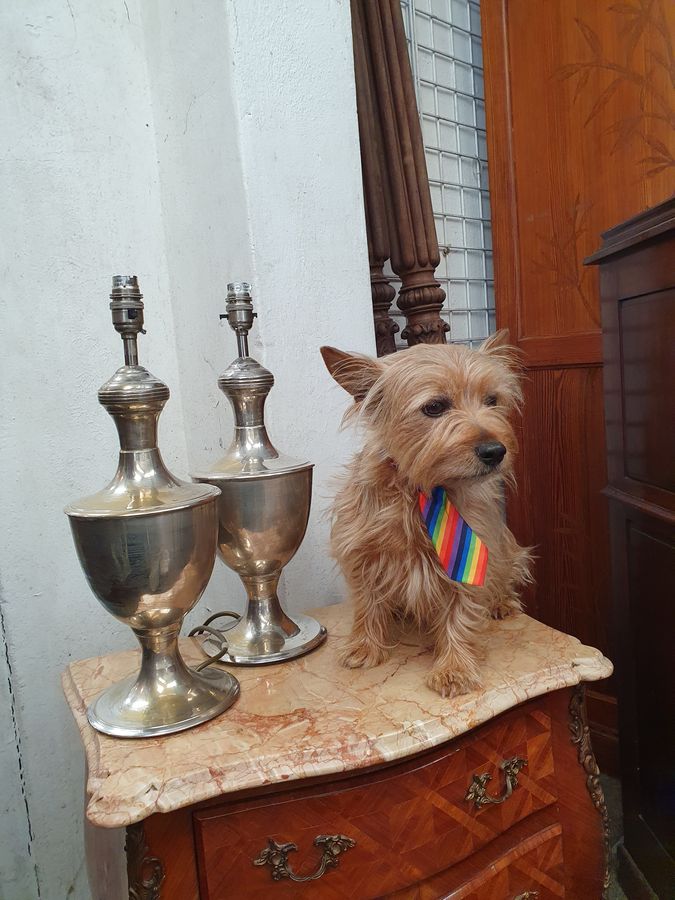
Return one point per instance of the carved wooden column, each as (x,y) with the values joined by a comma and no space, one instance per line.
(374,194)
(399,148)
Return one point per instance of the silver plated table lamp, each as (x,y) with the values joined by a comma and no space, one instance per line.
(147,545)
(263,509)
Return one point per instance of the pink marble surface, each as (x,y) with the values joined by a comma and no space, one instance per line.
(311,716)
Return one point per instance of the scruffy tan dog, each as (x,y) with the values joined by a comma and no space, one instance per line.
(433,415)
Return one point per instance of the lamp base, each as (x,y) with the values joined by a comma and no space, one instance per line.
(249,644)
(138,708)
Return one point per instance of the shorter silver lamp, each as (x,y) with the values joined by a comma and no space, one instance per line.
(263,509)
(147,545)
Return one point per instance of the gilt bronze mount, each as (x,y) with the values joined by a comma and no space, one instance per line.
(275,856)
(478,788)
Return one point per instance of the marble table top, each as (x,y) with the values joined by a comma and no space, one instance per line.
(311,717)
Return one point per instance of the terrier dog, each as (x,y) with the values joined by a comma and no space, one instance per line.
(436,421)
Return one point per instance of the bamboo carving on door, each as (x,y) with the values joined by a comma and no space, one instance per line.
(399,216)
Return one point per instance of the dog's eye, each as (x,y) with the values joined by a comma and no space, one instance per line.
(490,400)
(436,408)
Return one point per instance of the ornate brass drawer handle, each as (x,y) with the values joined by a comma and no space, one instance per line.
(528,895)
(478,791)
(276,856)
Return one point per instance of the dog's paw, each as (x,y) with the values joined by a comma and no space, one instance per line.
(452,683)
(363,655)
(504,608)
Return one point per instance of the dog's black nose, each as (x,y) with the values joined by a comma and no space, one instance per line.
(491,453)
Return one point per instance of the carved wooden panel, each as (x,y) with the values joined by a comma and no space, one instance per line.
(647,330)
(406,825)
(558,509)
(580,123)
(588,97)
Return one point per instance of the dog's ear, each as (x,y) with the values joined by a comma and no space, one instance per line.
(500,338)
(498,346)
(352,371)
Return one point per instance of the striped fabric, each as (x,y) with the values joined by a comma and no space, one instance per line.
(462,553)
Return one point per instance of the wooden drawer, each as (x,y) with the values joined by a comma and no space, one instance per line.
(533,869)
(528,866)
(408,821)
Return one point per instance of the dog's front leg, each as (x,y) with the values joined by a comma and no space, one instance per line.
(367,645)
(455,669)
(512,572)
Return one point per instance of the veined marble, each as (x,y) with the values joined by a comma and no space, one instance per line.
(311,717)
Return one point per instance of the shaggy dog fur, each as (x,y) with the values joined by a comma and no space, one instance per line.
(425,411)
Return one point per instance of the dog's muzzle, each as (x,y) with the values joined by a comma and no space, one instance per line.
(491,453)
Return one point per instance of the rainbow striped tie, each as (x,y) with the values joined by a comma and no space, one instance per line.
(462,553)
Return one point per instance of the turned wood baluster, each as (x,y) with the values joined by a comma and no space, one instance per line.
(375,197)
(412,233)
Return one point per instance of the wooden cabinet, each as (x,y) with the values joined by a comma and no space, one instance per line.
(406,830)
(637,278)
(364,778)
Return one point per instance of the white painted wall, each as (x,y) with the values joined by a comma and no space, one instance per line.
(17,874)
(191,143)
(293,84)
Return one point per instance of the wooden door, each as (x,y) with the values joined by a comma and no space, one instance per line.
(580,123)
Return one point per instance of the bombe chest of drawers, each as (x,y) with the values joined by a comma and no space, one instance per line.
(323,782)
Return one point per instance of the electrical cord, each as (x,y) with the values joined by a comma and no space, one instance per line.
(217,634)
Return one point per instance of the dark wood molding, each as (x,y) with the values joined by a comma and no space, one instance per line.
(396,184)
(634,494)
(562,351)
(650,223)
